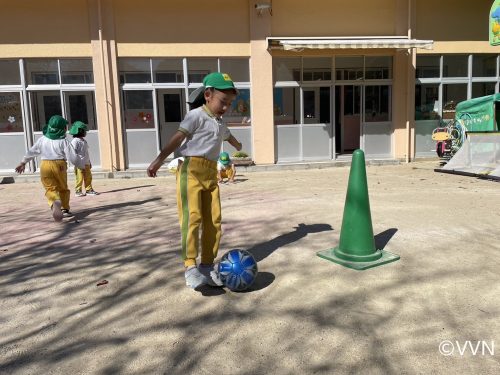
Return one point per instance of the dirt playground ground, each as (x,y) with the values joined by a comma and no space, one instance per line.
(104,293)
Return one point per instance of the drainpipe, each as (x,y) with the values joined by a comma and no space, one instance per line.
(103,72)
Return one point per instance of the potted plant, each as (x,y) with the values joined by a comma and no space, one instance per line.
(241,158)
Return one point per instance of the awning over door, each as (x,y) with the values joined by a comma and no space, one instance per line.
(299,44)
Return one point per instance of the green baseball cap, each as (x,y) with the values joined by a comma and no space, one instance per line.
(224,158)
(55,128)
(75,128)
(219,81)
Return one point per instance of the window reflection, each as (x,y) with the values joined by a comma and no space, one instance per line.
(239,112)
(286,105)
(377,103)
(138,109)
(11,119)
(427,102)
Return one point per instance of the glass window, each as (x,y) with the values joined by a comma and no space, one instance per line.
(349,68)
(427,102)
(377,103)
(427,66)
(74,71)
(44,105)
(317,69)
(378,67)
(316,105)
(42,72)
(483,89)
(238,69)
(484,65)
(168,71)
(286,105)
(452,95)
(11,119)
(80,106)
(134,70)
(199,68)
(239,113)
(286,69)
(138,109)
(172,111)
(455,66)
(352,97)
(9,72)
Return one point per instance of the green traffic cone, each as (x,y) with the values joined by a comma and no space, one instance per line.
(357,245)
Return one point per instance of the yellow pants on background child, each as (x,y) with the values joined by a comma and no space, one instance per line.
(53,174)
(227,173)
(198,203)
(83,176)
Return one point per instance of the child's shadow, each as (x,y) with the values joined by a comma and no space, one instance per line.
(236,181)
(264,249)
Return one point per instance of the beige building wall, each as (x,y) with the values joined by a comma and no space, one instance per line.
(49,28)
(261,79)
(333,18)
(182,28)
(108,29)
(107,92)
(453,26)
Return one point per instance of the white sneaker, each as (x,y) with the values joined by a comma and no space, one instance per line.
(79,194)
(56,211)
(195,278)
(210,272)
(67,213)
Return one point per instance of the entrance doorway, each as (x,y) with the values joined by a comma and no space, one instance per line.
(171,111)
(347,118)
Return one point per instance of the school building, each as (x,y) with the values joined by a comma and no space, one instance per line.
(317,79)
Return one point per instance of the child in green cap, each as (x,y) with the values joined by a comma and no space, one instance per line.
(225,168)
(54,149)
(83,175)
(198,197)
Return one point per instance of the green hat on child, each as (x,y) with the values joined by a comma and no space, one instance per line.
(219,81)
(224,158)
(55,128)
(75,128)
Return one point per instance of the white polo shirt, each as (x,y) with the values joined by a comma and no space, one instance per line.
(205,134)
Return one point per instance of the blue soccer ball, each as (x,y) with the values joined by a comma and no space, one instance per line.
(237,269)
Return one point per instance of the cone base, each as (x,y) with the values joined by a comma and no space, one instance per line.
(386,257)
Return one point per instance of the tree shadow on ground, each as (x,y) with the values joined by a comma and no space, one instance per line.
(316,319)
(86,212)
(124,189)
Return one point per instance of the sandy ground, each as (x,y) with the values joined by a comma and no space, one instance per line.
(304,314)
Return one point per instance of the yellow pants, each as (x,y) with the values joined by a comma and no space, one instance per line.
(53,174)
(198,202)
(228,173)
(83,176)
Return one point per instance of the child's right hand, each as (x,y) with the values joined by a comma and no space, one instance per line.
(153,168)
(20,168)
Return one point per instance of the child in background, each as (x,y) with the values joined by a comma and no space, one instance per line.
(54,149)
(225,168)
(83,175)
(198,198)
